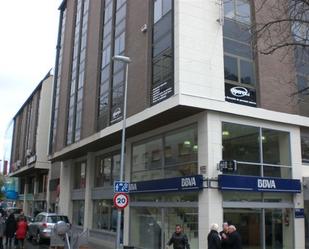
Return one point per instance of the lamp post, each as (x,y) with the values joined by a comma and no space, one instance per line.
(125,60)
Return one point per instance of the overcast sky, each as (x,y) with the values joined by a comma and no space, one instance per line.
(27,52)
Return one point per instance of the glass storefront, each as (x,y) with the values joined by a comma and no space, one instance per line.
(78,212)
(104,215)
(154,217)
(262,228)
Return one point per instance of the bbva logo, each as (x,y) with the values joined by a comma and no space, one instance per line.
(188,182)
(266,184)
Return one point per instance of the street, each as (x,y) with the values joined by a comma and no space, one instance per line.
(29,245)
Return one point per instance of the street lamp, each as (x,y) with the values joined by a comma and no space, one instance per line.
(125,60)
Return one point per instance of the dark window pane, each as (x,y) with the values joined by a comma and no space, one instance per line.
(229,9)
(243,11)
(305,148)
(240,142)
(237,48)
(236,31)
(230,68)
(247,72)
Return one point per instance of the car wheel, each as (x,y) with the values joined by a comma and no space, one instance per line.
(38,239)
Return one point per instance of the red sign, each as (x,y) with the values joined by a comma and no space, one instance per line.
(121,200)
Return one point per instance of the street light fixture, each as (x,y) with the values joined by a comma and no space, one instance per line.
(126,60)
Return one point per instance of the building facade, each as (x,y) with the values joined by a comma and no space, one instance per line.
(215,131)
(29,154)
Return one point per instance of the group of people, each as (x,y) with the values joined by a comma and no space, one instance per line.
(14,231)
(228,238)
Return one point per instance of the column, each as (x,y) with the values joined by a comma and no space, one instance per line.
(209,154)
(65,203)
(89,185)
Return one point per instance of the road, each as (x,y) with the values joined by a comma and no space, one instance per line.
(29,245)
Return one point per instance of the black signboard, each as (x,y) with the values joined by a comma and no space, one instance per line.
(162,92)
(240,95)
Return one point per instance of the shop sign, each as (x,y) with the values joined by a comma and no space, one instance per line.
(258,184)
(240,95)
(161,92)
(299,213)
(187,183)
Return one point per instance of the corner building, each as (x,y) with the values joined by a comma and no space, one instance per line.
(197,94)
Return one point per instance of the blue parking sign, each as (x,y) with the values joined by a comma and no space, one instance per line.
(121,187)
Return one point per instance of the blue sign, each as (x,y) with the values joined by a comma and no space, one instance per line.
(258,184)
(299,213)
(121,187)
(187,183)
(11,195)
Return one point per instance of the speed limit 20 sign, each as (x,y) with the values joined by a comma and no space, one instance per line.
(121,200)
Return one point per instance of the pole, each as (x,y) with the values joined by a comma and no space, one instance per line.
(123,138)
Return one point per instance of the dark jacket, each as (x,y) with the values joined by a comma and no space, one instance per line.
(224,244)
(213,239)
(179,241)
(10,226)
(234,241)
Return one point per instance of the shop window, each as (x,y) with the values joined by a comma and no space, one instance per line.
(107,170)
(258,151)
(305,147)
(79,175)
(78,212)
(178,158)
(104,215)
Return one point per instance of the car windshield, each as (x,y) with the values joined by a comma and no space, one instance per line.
(55,219)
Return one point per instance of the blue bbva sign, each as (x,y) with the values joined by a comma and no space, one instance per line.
(258,184)
(187,183)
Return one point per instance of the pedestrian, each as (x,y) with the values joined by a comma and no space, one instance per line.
(10,229)
(179,239)
(234,240)
(2,230)
(224,235)
(213,237)
(21,231)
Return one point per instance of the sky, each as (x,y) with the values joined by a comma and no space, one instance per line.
(28,37)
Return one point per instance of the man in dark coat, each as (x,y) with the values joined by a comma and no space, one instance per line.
(234,240)
(224,235)
(179,239)
(213,237)
(10,229)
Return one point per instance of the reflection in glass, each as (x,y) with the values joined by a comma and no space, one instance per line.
(230,68)
(104,215)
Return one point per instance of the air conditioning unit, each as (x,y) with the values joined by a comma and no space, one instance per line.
(28,152)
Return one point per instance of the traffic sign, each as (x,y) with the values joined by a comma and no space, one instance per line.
(121,200)
(121,187)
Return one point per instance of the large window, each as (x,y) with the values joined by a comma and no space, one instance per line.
(79,175)
(162,51)
(78,72)
(104,215)
(258,151)
(107,170)
(172,154)
(238,54)
(112,73)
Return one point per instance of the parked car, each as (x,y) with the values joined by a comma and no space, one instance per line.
(40,228)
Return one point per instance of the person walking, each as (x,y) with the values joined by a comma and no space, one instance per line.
(179,239)
(2,230)
(224,235)
(10,229)
(234,239)
(213,237)
(21,231)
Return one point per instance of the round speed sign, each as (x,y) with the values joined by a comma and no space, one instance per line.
(121,200)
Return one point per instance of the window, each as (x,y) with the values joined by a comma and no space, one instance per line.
(107,170)
(305,146)
(162,51)
(258,151)
(77,72)
(78,212)
(238,58)
(170,155)
(104,215)
(79,175)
